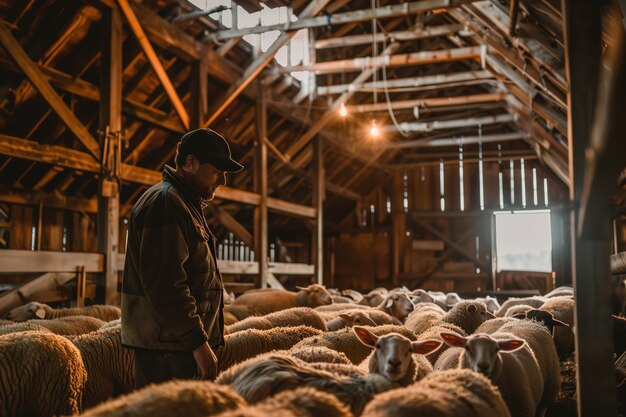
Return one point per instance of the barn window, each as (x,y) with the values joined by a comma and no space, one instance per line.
(512,183)
(535,200)
(523,240)
(461,183)
(442,200)
(545,191)
(523,176)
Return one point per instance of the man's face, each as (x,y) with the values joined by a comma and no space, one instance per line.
(204,177)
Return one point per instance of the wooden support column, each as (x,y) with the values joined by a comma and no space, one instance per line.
(260,187)
(110,141)
(317,243)
(595,373)
(398,225)
(199,92)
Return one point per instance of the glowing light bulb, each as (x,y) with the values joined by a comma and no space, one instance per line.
(343,112)
(374,129)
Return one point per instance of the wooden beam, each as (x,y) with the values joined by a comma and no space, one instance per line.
(260,186)
(466,140)
(108,226)
(25,261)
(404,35)
(231,224)
(48,282)
(428,102)
(135,26)
(52,200)
(343,18)
(451,124)
(199,88)
(260,62)
(40,82)
(400,60)
(317,242)
(595,374)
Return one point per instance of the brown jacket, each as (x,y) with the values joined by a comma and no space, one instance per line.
(172,294)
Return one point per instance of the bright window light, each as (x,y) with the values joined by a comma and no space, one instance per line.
(481,187)
(545,191)
(512,183)
(535,200)
(501,189)
(523,241)
(461,182)
(523,176)
(442,201)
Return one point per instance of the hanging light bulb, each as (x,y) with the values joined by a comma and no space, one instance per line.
(343,112)
(374,129)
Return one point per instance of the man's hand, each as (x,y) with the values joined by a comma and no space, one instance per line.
(207,361)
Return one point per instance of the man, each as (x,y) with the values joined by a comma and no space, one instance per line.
(172,295)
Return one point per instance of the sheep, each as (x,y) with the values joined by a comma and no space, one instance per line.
(111,324)
(356,296)
(234,313)
(229,297)
(178,397)
(520,309)
(283,318)
(35,310)
(41,375)
(452,299)
(22,327)
(467,315)
(535,302)
(300,402)
(345,341)
(340,299)
(374,297)
(491,302)
(249,343)
(452,393)
(561,291)
(110,366)
(434,333)
(71,325)
(342,307)
(348,318)
(424,317)
(265,301)
(391,366)
(509,363)
(397,305)
(420,296)
(319,354)
(562,309)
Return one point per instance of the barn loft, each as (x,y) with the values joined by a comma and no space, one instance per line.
(452,145)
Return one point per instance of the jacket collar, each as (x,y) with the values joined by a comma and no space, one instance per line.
(170,175)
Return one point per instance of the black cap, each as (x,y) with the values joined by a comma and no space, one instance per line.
(209,147)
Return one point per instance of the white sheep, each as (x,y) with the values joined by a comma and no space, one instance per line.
(425,315)
(297,316)
(491,302)
(265,301)
(110,366)
(249,343)
(342,307)
(509,363)
(35,310)
(300,402)
(391,366)
(356,296)
(397,305)
(562,309)
(346,341)
(467,315)
(518,310)
(374,297)
(535,302)
(71,325)
(348,318)
(41,375)
(453,393)
(178,397)
(560,292)
(319,354)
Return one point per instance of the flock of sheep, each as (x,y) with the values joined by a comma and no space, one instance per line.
(313,352)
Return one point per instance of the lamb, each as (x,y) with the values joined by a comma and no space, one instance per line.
(71,325)
(390,366)
(535,302)
(41,375)
(301,402)
(283,318)
(562,309)
(452,393)
(249,343)
(509,363)
(348,319)
(178,397)
(35,310)
(265,301)
(110,366)
(317,354)
(345,341)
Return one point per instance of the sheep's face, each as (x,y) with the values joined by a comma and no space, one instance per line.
(399,305)
(478,313)
(393,351)
(481,350)
(32,310)
(357,318)
(317,295)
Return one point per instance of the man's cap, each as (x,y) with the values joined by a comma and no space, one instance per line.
(209,147)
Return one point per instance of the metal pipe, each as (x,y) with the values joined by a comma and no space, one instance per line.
(428,102)
(451,124)
(432,143)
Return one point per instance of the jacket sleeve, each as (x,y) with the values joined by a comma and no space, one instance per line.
(163,253)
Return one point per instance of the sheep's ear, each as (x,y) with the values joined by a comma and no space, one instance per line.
(471,308)
(510,345)
(453,340)
(307,289)
(365,336)
(389,302)
(346,317)
(40,312)
(404,288)
(426,346)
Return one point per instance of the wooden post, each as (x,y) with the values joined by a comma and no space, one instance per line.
(110,141)
(199,92)
(398,225)
(317,243)
(81,286)
(590,258)
(260,187)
